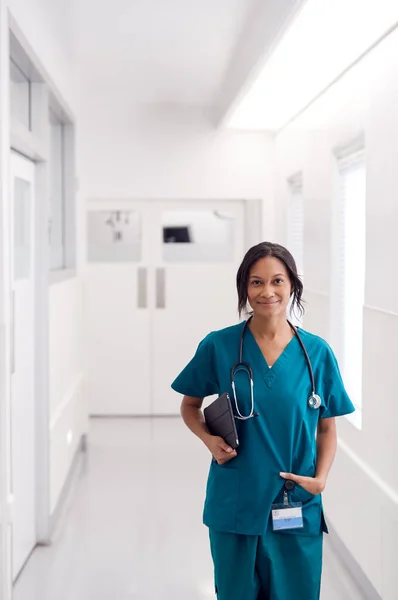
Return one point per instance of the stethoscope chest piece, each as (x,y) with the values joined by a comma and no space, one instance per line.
(314,401)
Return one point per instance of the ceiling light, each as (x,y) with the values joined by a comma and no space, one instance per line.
(325,39)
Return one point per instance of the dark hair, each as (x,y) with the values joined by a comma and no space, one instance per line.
(276,251)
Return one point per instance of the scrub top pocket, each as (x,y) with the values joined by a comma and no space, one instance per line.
(312,511)
(299,494)
(221,498)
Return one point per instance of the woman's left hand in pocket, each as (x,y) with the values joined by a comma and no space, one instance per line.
(313,485)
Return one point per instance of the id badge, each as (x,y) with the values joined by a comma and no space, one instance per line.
(287,516)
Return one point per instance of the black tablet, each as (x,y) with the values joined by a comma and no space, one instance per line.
(220,420)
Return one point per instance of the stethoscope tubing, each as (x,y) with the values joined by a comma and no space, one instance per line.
(314,401)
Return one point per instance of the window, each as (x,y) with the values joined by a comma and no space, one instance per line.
(22,228)
(57,192)
(114,236)
(295,225)
(51,144)
(348,276)
(198,236)
(62,192)
(295,229)
(20,96)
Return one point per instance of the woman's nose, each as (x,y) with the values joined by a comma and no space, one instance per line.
(268,291)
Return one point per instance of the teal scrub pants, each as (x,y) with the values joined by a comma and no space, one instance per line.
(270,567)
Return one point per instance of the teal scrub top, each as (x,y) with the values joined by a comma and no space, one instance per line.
(282,438)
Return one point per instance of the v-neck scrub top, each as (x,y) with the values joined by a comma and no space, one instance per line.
(282,438)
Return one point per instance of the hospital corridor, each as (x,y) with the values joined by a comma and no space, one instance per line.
(198,300)
(136,535)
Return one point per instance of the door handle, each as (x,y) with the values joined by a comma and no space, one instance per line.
(142,287)
(161,287)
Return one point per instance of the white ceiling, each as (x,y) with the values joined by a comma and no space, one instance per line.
(165,51)
(159,50)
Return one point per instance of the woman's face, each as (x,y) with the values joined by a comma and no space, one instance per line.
(269,287)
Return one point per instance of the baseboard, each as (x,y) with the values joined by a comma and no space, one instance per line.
(69,488)
(348,562)
(110,416)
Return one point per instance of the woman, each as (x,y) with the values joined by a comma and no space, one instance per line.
(256,555)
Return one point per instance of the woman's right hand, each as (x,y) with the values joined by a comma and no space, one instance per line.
(220,450)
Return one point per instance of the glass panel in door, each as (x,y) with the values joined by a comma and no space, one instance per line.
(198,236)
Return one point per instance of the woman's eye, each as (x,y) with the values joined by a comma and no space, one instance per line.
(256,282)
(279,280)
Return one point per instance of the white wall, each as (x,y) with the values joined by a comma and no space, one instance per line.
(68,410)
(142,152)
(362,495)
(48,26)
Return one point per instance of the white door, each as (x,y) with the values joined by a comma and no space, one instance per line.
(196,259)
(117,315)
(160,276)
(22,378)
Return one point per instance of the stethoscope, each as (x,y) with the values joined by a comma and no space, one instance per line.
(314,401)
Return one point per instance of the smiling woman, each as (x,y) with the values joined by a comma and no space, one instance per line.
(267,279)
(263,502)
(258,280)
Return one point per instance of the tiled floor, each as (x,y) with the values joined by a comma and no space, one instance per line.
(132,530)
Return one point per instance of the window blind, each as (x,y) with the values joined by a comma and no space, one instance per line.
(349,264)
(295,225)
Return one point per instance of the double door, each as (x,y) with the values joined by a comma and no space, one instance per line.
(160,276)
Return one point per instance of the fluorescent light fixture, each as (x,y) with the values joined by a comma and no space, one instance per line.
(322,42)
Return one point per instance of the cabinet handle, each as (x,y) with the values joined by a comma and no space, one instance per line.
(160,287)
(142,287)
